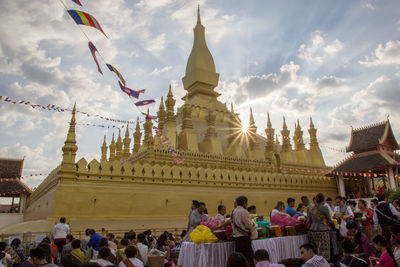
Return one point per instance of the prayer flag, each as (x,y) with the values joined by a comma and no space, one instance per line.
(149,117)
(111,68)
(144,102)
(93,50)
(84,18)
(129,91)
(77,2)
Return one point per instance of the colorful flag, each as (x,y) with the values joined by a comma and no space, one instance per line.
(129,91)
(77,2)
(111,68)
(144,102)
(84,18)
(149,117)
(93,50)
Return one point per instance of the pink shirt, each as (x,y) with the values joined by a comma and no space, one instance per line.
(385,260)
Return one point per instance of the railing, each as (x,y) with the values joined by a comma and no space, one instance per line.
(29,237)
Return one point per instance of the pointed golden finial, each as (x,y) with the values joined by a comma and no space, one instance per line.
(198,14)
(162,103)
(69,149)
(137,124)
(284,122)
(170,91)
(232,108)
(269,124)
(104,150)
(311,123)
(127,130)
(251,116)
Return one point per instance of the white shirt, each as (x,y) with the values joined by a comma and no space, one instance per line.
(136,262)
(143,250)
(103,263)
(349,211)
(274,211)
(61,230)
(396,254)
(392,209)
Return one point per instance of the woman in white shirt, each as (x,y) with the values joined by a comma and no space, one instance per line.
(61,230)
(221,213)
(131,252)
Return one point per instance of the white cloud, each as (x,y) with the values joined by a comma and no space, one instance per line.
(155,44)
(35,161)
(317,50)
(384,55)
(369,6)
(157,71)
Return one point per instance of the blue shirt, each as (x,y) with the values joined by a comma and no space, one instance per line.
(291,211)
(94,241)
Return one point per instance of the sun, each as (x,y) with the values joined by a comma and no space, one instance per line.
(245,128)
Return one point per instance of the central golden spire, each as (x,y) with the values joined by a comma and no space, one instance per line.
(200,76)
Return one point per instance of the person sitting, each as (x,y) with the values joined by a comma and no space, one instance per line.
(67,246)
(131,235)
(197,216)
(104,244)
(15,252)
(261,259)
(292,262)
(309,254)
(221,213)
(142,248)
(163,244)
(350,258)
(104,254)
(120,253)
(94,240)
(363,249)
(395,241)
(237,259)
(386,259)
(131,260)
(111,242)
(279,217)
(76,256)
(40,258)
(28,262)
(290,210)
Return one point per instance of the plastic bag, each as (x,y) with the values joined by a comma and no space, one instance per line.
(202,234)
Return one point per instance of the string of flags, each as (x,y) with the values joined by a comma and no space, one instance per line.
(83,18)
(168,145)
(362,174)
(52,107)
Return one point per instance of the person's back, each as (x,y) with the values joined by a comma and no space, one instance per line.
(353,261)
(261,259)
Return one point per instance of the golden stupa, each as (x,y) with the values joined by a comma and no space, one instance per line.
(142,184)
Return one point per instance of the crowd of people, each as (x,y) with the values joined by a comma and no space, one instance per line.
(340,233)
(346,234)
(94,250)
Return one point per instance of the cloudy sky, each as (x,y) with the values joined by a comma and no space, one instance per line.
(337,61)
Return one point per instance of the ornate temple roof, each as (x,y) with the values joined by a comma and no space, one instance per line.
(11,168)
(367,161)
(10,173)
(371,137)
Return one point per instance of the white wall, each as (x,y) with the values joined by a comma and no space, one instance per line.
(7,219)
